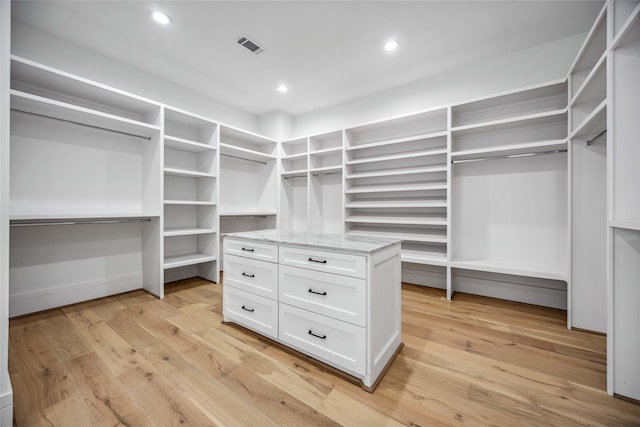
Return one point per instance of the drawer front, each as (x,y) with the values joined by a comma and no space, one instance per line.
(252,311)
(340,297)
(259,251)
(337,343)
(330,262)
(258,277)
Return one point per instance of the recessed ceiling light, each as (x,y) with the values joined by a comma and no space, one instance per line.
(391,45)
(282,88)
(160,17)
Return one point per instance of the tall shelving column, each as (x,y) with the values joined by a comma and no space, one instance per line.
(623,157)
(190,196)
(509,195)
(294,184)
(586,308)
(86,182)
(326,211)
(396,186)
(248,182)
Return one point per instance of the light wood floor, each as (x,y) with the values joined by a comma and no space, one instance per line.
(134,360)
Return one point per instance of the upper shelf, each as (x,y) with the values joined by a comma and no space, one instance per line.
(397,141)
(510,150)
(244,153)
(31,77)
(510,122)
(186,144)
(50,108)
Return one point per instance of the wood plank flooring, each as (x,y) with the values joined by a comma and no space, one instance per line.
(134,360)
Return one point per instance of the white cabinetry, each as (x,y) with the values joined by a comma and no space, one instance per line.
(85,190)
(623,155)
(509,192)
(331,297)
(588,177)
(190,196)
(396,184)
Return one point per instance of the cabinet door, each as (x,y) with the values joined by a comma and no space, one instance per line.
(340,297)
(258,277)
(337,343)
(329,262)
(257,313)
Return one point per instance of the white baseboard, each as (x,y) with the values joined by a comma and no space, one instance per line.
(33,301)
(425,275)
(6,406)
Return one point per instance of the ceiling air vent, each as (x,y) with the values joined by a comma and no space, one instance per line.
(252,46)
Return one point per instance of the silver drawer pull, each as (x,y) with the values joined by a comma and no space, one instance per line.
(250,310)
(311,291)
(248,249)
(248,275)
(322,337)
(319,261)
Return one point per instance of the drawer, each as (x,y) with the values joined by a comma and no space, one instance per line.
(259,251)
(332,341)
(330,262)
(340,297)
(251,311)
(258,277)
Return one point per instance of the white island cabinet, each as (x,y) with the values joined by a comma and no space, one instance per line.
(332,297)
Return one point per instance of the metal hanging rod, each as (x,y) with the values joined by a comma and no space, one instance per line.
(511,156)
(242,158)
(242,216)
(294,176)
(148,138)
(592,140)
(27,223)
(326,173)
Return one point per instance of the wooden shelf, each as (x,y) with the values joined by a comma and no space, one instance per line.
(488,266)
(170,232)
(294,156)
(81,216)
(417,258)
(510,122)
(175,261)
(424,153)
(395,204)
(244,153)
(186,144)
(397,171)
(187,173)
(395,220)
(246,213)
(397,141)
(326,151)
(382,189)
(510,150)
(189,202)
(401,236)
(593,124)
(39,105)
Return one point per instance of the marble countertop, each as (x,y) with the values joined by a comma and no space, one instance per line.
(338,242)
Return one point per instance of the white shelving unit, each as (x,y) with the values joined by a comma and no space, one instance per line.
(396,184)
(623,177)
(588,216)
(190,186)
(85,190)
(248,182)
(509,201)
(294,185)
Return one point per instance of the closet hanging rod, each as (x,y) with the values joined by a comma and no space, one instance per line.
(148,138)
(326,173)
(242,216)
(294,176)
(592,140)
(28,223)
(511,156)
(243,158)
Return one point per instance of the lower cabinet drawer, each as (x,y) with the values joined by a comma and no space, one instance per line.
(255,250)
(258,277)
(337,343)
(340,297)
(252,311)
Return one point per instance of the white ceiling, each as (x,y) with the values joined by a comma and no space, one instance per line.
(328,52)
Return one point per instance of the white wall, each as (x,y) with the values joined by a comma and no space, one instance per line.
(6,394)
(277,125)
(523,68)
(31,43)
